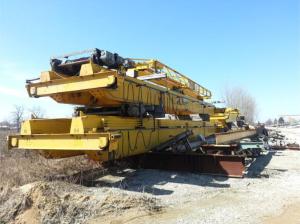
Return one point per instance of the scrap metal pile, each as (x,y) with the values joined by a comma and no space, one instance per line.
(278,141)
(133,107)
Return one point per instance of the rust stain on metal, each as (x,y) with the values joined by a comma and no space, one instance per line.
(216,164)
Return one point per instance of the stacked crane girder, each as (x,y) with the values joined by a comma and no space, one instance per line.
(122,108)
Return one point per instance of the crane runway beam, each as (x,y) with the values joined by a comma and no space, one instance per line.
(127,107)
(232,136)
(102,138)
(96,87)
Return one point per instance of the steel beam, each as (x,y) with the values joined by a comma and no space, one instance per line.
(232,136)
(224,165)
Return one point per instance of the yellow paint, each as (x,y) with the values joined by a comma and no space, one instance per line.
(111,137)
(223,116)
(116,137)
(92,88)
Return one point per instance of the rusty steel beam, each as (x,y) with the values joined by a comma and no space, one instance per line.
(293,148)
(284,147)
(216,164)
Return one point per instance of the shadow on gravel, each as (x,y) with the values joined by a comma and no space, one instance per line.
(257,167)
(149,181)
(152,181)
(144,180)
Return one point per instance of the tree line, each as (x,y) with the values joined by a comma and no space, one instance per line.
(19,114)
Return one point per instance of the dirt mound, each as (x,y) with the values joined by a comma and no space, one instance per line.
(60,202)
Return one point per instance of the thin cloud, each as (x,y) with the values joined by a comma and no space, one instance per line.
(12,92)
(15,72)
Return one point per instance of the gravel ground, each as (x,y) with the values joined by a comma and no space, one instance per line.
(271,185)
(269,194)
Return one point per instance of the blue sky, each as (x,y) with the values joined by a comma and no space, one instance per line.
(251,44)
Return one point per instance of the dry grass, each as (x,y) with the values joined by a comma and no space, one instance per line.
(61,202)
(47,200)
(19,167)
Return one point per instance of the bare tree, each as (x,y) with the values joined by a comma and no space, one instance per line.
(281,121)
(37,112)
(18,116)
(242,100)
(269,122)
(5,125)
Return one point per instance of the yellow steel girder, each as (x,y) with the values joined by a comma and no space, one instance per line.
(109,89)
(231,136)
(102,138)
(71,84)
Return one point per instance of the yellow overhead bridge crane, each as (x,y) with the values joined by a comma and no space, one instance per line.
(123,108)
